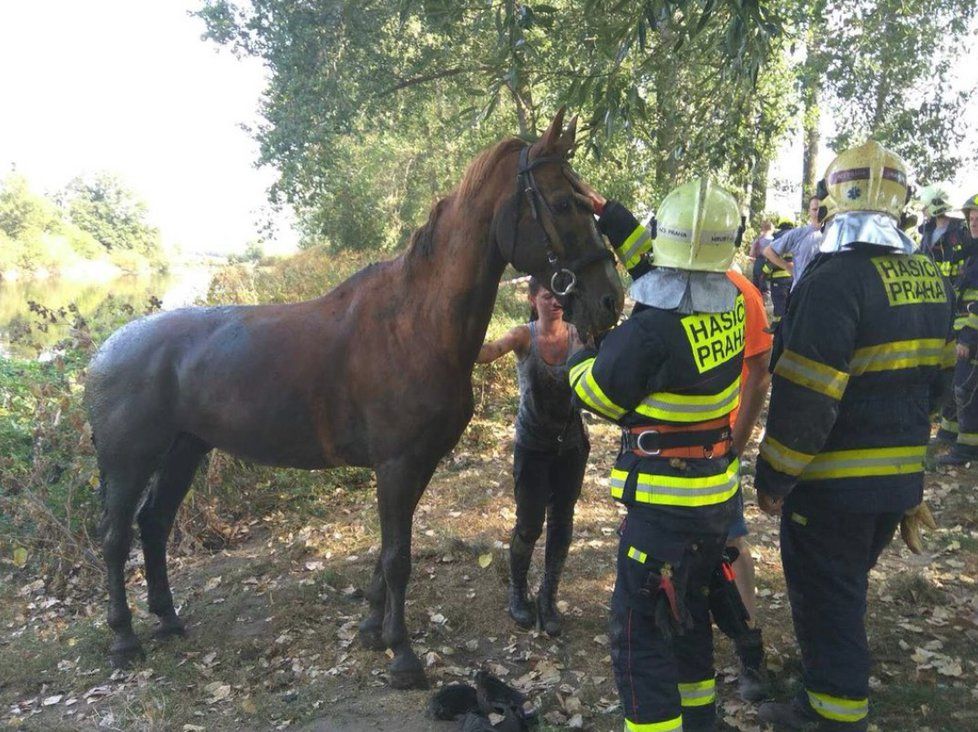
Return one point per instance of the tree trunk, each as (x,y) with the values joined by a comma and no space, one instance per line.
(809,154)
(758,188)
(813,75)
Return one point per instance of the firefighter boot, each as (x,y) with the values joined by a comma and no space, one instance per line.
(558,543)
(753,684)
(520,607)
(798,716)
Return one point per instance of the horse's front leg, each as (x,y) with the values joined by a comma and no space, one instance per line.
(372,626)
(400,484)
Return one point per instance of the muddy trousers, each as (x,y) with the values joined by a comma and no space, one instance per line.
(780,287)
(665,677)
(547,486)
(827,555)
(964,403)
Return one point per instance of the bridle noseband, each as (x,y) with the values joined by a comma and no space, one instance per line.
(563,278)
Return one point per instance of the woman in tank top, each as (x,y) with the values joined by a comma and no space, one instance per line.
(549,454)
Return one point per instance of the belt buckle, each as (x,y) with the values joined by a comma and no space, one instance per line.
(638,442)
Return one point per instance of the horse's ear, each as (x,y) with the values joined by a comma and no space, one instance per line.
(566,142)
(551,138)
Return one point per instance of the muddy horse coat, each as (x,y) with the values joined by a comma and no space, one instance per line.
(314,384)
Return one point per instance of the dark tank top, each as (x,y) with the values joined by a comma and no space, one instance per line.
(547,419)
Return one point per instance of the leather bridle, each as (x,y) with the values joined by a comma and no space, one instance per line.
(563,278)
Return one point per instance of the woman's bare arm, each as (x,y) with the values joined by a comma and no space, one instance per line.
(517,339)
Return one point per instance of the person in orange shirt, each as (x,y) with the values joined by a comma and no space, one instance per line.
(755,379)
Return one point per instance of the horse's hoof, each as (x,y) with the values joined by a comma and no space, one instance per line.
(123,656)
(406,672)
(371,636)
(169,629)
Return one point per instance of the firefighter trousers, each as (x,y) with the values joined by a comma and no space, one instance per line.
(664,668)
(966,405)
(827,555)
(780,287)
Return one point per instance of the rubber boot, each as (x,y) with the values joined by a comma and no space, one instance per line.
(753,684)
(520,607)
(558,544)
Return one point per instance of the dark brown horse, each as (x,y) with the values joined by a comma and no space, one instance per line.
(376,373)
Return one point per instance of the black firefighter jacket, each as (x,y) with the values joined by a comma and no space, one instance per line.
(663,368)
(864,364)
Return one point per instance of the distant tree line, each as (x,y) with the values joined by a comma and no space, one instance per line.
(94,219)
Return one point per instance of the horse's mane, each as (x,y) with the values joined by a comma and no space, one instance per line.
(473,180)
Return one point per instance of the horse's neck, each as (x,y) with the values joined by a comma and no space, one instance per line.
(461,279)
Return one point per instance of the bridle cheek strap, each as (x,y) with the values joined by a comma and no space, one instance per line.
(563,278)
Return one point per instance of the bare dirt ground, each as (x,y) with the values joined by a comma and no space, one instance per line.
(272,620)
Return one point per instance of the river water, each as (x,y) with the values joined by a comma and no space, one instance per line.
(175,289)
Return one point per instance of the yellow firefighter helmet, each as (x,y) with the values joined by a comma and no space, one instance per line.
(868,178)
(698,227)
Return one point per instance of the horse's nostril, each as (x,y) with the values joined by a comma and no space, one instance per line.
(608,303)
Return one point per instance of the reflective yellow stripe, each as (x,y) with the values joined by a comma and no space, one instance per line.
(618,478)
(867,462)
(968,438)
(698,693)
(843,463)
(575,373)
(673,490)
(971,321)
(969,295)
(590,393)
(899,355)
(632,249)
(637,555)
(948,426)
(783,458)
(672,407)
(812,374)
(837,708)
(949,354)
(670,725)
(960,322)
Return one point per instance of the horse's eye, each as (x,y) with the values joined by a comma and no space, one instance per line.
(563,205)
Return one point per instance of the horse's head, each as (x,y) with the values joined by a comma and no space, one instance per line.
(546,231)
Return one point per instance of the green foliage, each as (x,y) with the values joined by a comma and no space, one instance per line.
(881,69)
(305,276)
(23,212)
(373,108)
(112,214)
(38,233)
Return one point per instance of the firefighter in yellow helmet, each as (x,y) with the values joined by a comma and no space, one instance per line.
(670,376)
(861,367)
(944,236)
(960,418)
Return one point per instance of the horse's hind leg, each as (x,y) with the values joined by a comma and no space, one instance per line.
(122,488)
(155,519)
(400,484)
(372,626)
